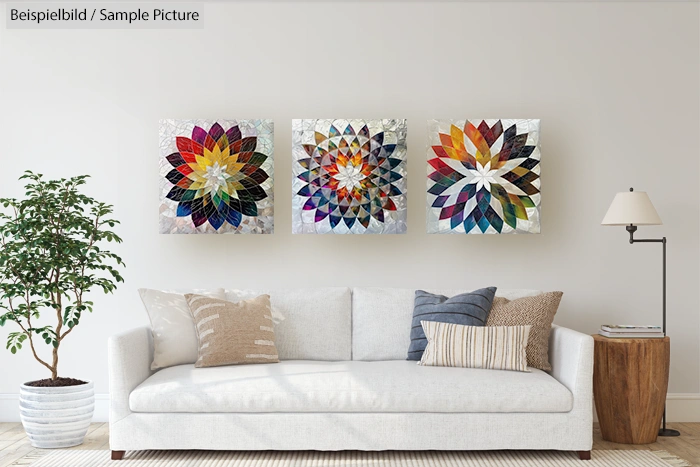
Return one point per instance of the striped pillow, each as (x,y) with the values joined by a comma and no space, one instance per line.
(233,333)
(493,348)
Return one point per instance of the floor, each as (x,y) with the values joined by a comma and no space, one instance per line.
(14,444)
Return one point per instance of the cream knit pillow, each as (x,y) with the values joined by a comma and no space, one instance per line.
(233,333)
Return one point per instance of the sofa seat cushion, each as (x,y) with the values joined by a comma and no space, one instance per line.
(351,386)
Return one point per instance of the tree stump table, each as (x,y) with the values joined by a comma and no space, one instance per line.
(630,380)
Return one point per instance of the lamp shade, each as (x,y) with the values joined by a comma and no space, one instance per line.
(631,207)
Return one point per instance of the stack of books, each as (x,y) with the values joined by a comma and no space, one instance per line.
(630,331)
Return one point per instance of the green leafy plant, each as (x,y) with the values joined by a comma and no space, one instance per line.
(50,257)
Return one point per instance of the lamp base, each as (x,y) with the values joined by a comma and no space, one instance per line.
(669,432)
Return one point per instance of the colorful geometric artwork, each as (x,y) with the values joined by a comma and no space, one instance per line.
(483,176)
(216,176)
(349,176)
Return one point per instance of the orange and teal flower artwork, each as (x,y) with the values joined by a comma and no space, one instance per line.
(349,176)
(484,176)
(216,176)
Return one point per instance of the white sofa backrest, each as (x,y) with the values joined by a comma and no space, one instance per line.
(381,319)
(310,324)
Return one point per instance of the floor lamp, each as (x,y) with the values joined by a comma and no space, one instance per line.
(633,208)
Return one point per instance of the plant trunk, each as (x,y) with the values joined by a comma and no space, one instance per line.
(54,366)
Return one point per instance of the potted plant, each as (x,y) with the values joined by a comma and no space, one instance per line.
(50,258)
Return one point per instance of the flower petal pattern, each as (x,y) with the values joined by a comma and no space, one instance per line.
(216,176)
(349,176)
(484,176)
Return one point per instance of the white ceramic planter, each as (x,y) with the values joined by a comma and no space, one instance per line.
(56,417)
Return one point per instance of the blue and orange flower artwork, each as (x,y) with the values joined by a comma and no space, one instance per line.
(349,176)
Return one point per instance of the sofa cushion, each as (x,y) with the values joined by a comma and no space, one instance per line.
(307,386)
(381,319)
(310,324)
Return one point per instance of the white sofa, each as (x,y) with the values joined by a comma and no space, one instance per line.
(344,384)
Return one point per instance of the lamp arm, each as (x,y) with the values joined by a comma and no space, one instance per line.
(633,228)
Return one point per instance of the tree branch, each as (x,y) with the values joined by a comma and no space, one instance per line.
(31,345)
(29,334)
(66,333)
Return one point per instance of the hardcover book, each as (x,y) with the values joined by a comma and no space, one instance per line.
(631,335)
(629,328)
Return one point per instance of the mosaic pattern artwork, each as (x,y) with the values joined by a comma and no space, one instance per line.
(349,176)
(483,176)
(216,176)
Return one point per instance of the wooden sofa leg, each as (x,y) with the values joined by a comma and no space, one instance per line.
(117,455)
(583,455)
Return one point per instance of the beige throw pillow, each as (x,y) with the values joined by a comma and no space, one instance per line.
(538,312)
(491,348)
(233,333)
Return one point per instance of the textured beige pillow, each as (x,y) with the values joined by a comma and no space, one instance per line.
(491,348)
(233,333)
(538,312)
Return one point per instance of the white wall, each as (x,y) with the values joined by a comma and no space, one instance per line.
(616,87)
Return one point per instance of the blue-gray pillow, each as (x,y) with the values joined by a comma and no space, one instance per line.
(467,309)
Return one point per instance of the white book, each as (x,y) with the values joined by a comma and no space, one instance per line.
(631,335)
(629,328)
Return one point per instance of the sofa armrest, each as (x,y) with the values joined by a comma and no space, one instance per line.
(571,357)
(129,357)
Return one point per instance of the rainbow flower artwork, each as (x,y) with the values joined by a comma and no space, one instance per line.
(483,176)
(216,176)
(349,176)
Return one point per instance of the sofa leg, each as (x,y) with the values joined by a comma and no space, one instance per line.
(117,455)
(584,455)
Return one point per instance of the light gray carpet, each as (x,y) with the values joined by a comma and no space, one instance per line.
(353,459)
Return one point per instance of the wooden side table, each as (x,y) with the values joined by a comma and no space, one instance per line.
(630,379)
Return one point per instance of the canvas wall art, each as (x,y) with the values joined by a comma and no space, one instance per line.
(483,176)
(216,176)
(349,176)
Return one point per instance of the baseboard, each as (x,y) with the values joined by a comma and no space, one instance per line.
(680,407)
(9,408)
(683,407)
